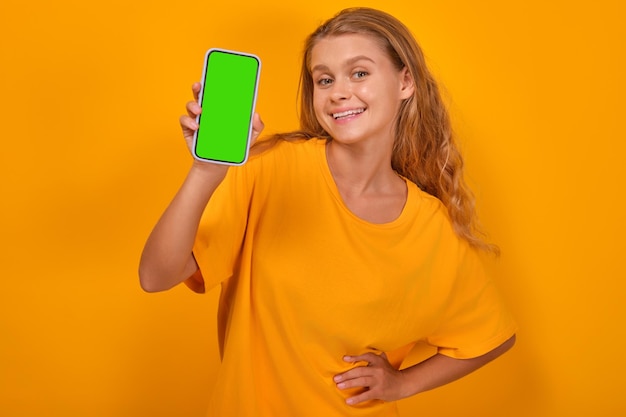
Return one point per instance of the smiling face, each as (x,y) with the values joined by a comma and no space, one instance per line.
(357,90)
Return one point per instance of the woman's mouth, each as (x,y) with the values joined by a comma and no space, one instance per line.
(347,113)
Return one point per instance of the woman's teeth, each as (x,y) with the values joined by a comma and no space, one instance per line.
(347,113)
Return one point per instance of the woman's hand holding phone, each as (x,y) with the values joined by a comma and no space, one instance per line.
(189,127)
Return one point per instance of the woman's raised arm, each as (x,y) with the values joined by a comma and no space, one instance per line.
(167,258)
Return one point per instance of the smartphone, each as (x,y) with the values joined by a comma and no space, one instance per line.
(230,81)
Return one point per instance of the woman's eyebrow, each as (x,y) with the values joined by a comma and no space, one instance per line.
(358,58)
(351,61)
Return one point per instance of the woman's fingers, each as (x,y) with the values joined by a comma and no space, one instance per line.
(365,396)
(187,122)
(375,374)
(356,381)
(195,89)
(193,109)
(368,357)
(359,376)
(257,127)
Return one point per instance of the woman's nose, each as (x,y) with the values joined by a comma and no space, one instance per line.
(341,90)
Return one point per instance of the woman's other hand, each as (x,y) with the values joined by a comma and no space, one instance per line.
(380,380)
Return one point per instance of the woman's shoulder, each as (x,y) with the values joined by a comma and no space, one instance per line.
(430,210)
(284,145)
(426,200)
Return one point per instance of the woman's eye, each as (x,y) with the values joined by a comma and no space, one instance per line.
(360,74)
(324,82)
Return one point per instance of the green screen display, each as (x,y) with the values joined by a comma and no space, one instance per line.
(227,101)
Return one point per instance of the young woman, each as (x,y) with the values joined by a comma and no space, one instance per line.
(339,246)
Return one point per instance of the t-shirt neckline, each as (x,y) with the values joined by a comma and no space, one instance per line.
(409,205)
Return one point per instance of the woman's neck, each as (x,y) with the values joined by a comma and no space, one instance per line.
(368,186)
(359,169)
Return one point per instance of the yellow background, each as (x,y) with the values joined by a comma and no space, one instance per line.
(91,153)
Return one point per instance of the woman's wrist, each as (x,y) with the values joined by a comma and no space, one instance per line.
(207,174)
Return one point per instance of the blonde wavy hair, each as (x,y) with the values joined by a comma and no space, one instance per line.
(424,151)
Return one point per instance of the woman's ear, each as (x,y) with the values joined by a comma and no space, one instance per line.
(407,86)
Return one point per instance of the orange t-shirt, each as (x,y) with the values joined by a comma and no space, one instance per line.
(305,282)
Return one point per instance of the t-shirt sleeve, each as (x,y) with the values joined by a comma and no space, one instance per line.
(476,320)
(223,225)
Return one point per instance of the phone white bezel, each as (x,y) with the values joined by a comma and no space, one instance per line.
(254,100)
